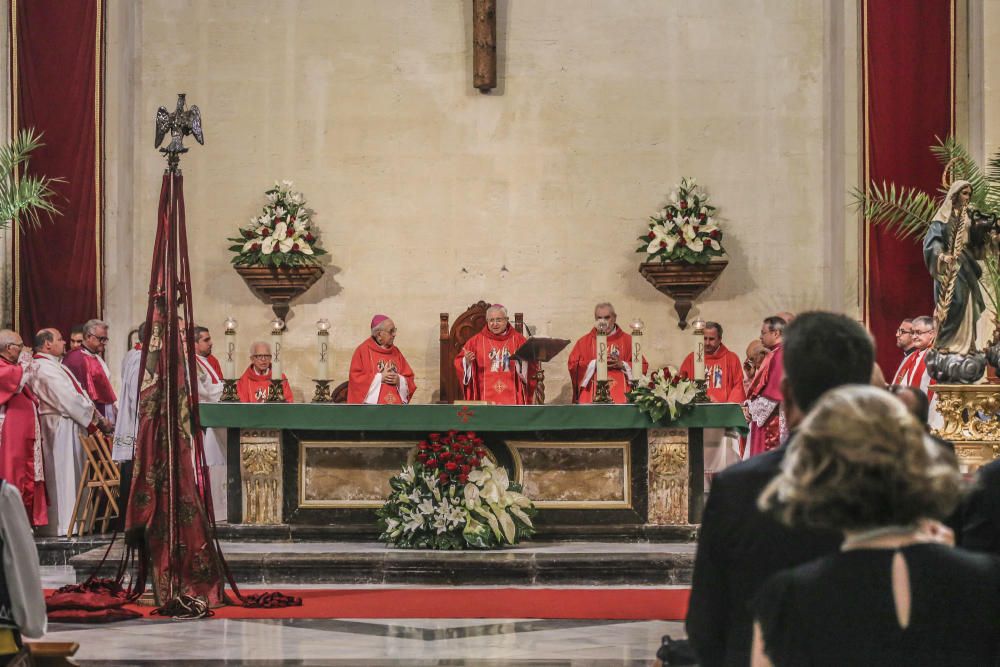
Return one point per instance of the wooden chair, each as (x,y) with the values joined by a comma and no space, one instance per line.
(339,394)
(452,338)
(98,493)
(52,654)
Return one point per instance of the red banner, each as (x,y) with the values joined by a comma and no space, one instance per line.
(909,95)
(57,56)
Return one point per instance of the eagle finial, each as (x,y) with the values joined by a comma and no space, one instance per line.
(179,123)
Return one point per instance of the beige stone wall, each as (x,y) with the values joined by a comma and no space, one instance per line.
(430,195)
(990,31)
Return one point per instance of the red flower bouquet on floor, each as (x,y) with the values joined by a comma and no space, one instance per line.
(454,496)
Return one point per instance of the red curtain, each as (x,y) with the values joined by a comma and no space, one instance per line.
(909,100)
(56,79)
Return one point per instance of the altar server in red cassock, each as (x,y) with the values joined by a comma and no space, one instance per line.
(87,364)
(763,405)
(20,441)
(723,368)
(379,373)
(486,367)
(583,358)
(253,385)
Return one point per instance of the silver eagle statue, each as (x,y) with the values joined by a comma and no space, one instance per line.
(179,124)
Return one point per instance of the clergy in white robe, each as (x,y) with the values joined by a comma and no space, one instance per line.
(210,391)
(127,425)
(64,413)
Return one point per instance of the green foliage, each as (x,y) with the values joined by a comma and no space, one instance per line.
(24,196)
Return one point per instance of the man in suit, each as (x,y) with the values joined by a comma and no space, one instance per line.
(739,547)
(981,512)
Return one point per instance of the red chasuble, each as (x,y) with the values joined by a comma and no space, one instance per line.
(767,384)
(583,375)
(494,374)
(723,375)
(371,359)
(20,442)
(91,374)
(253,387)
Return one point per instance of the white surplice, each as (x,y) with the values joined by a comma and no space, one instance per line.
(20,565)
(210,391)
(127,425)
(64,412)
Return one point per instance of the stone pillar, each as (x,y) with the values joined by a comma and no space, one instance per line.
(260,471)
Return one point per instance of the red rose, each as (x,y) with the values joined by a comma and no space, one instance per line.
(434,437)
(670,216)
(295,247)
(431,462)
(452,433)
(480,452)
(474,461)
(290,231)
(255,246)
(663,244)
(444,456)
(676,380)
(682,241)
(466,469)
(461,438)
(246,233)
(309,237)
(464,479)
(651,385)
(701,216)
(451,466)
(423,445)
(458,458)
(714,234)
(650,236)
(443,477)
(695,228)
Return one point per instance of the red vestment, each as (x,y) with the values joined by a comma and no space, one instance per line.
(252,387)
(723,375)
(214,363)
(767,384)
(583,376)
(92,374)
(495,376)
(20,442)
(371,360)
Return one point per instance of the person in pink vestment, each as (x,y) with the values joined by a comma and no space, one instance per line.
(87,365)
(763,405)
(20,442)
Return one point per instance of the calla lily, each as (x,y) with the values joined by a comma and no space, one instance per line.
(280,230)
(696,244)
(267,247)
(286,244)
(249,244)
(659,236)
(305,248)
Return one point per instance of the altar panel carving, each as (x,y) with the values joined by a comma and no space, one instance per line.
(971,422)
(668,476)
(260,468)
(349,473)
(575,475)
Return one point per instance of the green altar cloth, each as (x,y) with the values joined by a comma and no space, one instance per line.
(508,418)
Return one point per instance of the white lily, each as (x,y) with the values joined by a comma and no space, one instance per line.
(415,523)
(391,524)
(407,474)
(272,197)
(287,185)
(426,507)
(415,497)
(659,236)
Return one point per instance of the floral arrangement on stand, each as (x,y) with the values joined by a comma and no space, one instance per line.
(454,497)
(667,395)
(281,235)
(685,230)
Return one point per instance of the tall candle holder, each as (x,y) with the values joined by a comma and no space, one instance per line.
(322,380)
(699,349)
(229,394)
(275,393)
(637,326)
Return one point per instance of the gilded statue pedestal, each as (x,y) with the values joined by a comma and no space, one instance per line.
(970,413)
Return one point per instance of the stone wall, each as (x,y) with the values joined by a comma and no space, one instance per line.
(430,195)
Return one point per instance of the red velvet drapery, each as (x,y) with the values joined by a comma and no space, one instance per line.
(56,50)
(909,100)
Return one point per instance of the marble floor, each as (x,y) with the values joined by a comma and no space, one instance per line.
(374,642)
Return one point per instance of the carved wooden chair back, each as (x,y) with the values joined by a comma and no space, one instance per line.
(453,337)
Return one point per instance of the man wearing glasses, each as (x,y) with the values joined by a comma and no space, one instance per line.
(20,442)
(904,341)
(913,371)
(87,364)
(380,374)
(486,367)
(253,385)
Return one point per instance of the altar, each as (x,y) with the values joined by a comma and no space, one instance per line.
(329,464)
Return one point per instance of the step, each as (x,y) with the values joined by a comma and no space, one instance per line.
(365,563)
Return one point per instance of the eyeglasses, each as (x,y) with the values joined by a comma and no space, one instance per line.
(261,356)
(922,333)
(904,332)
(15,344)
(99,339)
(497,320)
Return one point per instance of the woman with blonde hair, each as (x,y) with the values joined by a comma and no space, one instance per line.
(896,593)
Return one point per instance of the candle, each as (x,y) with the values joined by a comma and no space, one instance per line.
(637,326)
(277,325)
(230,370)
(323,343)
(699,350)
(602,357)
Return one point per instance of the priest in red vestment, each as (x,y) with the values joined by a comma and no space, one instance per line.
(20,441)
(583,358)
(379,372)
(253,385)
(763,404)
(87,365)
(486,367)
(723,368)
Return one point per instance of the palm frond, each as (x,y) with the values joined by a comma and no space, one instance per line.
(24,197)
(905,211)
(991,280)
(963,168)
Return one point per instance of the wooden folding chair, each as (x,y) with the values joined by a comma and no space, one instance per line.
(98,493)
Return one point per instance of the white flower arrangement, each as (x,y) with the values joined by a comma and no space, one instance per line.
(667,395)
(281,235)
(685,229)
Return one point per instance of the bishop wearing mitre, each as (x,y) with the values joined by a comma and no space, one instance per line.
(486,367)
(379,372)
(583,358)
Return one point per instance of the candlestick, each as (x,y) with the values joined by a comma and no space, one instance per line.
(323,343)
(277,327)
(637,326)
(699,349)
(602,357)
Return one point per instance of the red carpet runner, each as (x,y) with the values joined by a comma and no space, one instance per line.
(666,604)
